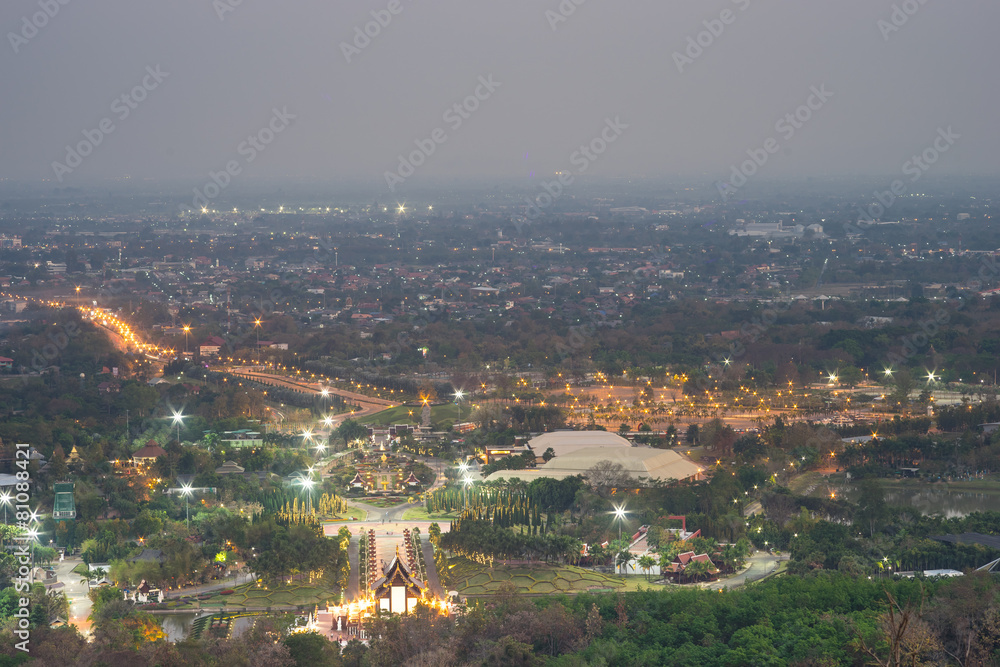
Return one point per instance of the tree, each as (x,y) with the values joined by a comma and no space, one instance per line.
(905,638)
(606,475)
(434,534)
(646,563)
(871,506)
(350,430)
(697,568)
(623,557)
(311,648)
(850,375)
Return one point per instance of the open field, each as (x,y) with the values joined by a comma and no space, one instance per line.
(473,579)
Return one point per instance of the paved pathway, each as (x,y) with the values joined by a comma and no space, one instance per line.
(76,590)
(433,581)
(761,563)
(353,579)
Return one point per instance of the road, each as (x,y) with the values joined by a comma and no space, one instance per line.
(76,589)
(307,387)
(761,563)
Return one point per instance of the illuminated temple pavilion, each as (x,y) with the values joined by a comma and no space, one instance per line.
(398,592)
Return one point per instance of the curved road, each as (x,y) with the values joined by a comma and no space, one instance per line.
(761,563)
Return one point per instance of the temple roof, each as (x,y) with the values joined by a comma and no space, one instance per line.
(396,574)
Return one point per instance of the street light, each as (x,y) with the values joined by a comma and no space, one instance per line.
(5,499)
(458,400)
(33,534)
(619,513)
(178,420)
(307,484)
(187,328)
(465,490)
(187,491)
(256,326)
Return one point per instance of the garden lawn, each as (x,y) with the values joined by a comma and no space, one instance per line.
(257,595)
(421,514)
(401,415)
(472,579)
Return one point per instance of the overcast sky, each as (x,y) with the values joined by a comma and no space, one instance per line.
(559,81)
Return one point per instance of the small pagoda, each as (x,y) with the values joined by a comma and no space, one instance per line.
(398,592)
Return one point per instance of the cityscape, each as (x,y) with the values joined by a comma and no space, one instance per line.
(388,368)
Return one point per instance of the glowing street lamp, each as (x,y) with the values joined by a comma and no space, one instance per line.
(307,484)
(887,372)
(620,512)
(465,490)
(187,491)
(256,326)
(178,420)
(187,329)
(619,515)
(459,395)
(932,377)
(5,499)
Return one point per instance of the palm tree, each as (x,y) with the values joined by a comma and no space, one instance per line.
(646,563)
(623,558)
(697,568)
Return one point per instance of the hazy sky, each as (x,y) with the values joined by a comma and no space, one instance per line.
(892,91)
